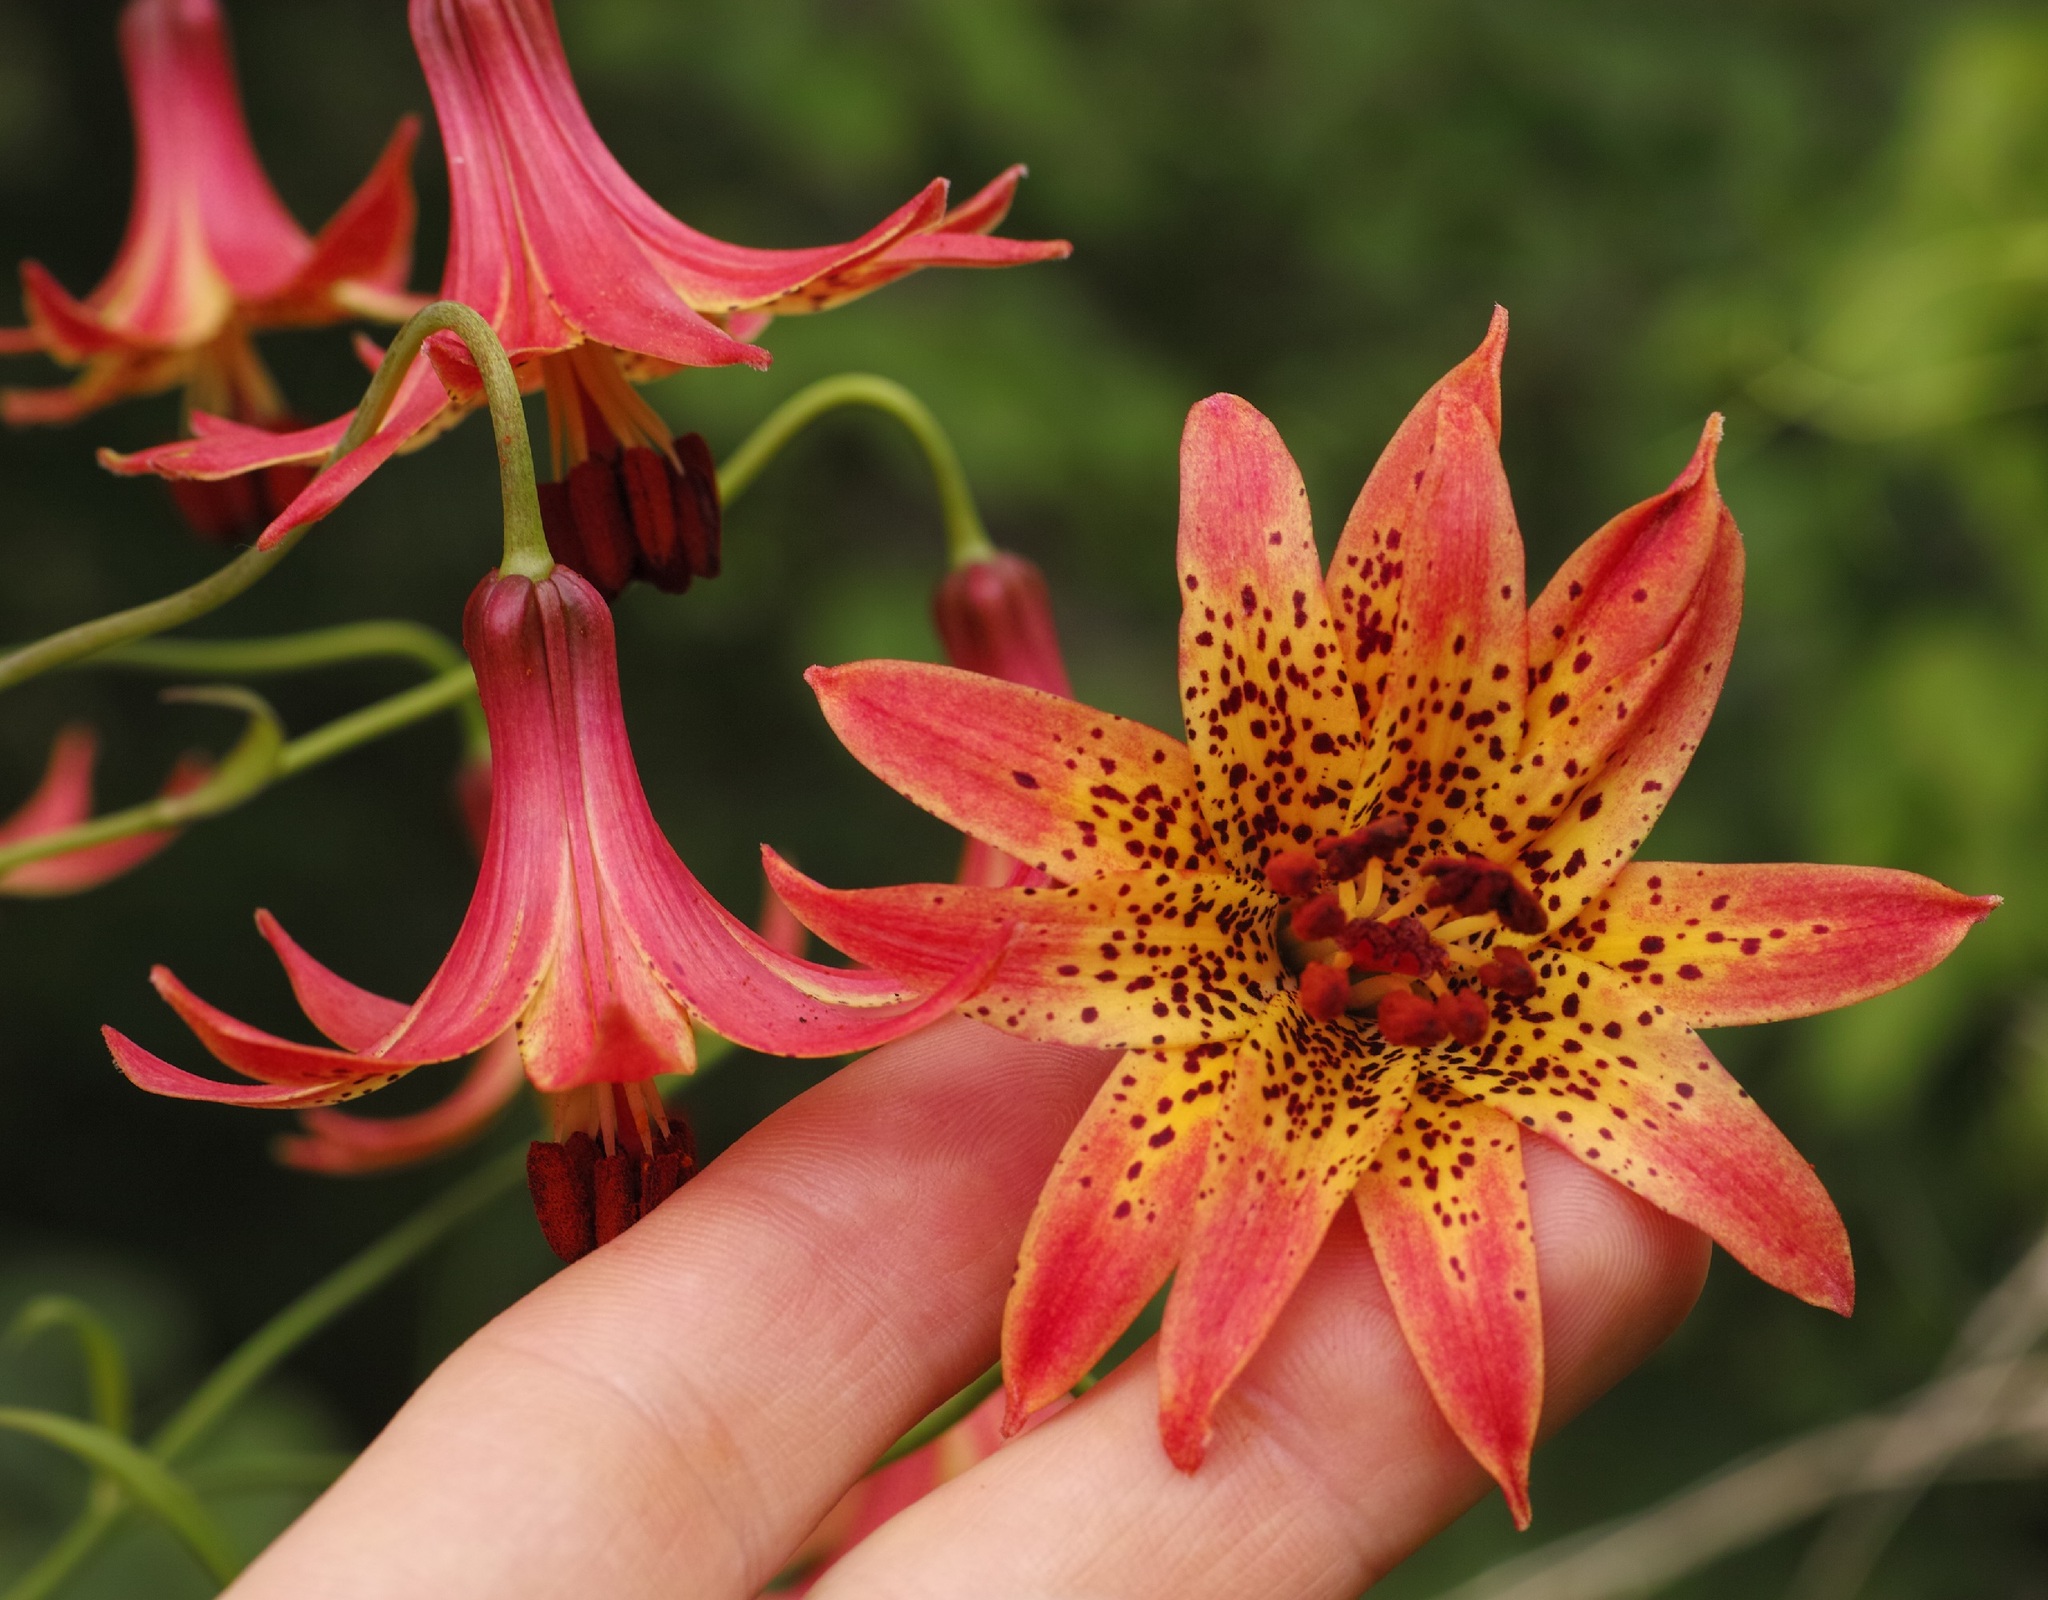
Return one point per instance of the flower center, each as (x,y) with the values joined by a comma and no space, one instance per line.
(1417,964)
(618,1152)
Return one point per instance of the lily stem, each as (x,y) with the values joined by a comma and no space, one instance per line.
(952,1412)
(967,541)
(261,1353)
(454,687)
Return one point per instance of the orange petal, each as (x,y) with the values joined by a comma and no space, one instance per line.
(1135,960)
(1269,711)
(1447,1214)
(147,1071)
(353,1018)
(1427,590)
(1601,1067)
(1111,1221)
(1072,791)
(1663,706)
(1308,1107)
(1728,945)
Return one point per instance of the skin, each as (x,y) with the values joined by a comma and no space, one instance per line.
(674,1414)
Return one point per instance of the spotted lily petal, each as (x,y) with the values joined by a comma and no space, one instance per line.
(1447,1214)
(1269,709)
(341,1142)
(1728,945)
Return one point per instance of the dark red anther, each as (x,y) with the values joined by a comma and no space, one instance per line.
(1403,946)
(1325,991)
(1409,1019)
(235,510)
(584,1199)
(1319,917)
(633,513)
(1476,886)
(1346,857)
(994,617)
(561,1179)
(1465,1016)
(1292,874)
(1509,972)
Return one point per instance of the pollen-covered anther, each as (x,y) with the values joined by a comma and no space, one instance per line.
(1325,991)
(1319,917)
(1465,1016)
(1410,1019)
(1508,972)
(1476,886)
(585,1197)
(1402,946)
(636,513)
(1345,857)
(1294,874)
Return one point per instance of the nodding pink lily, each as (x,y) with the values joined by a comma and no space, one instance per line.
(211,254)
(590,286)
(1378,922)
(63,800)
(586,934)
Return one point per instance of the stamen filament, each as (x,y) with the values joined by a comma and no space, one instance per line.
(1372,886)
(1465,927)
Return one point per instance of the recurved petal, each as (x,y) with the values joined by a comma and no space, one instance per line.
(1271,721)
(1603,1069)
(353,1018)
(1111,1221)
(158,1076)
(264,1056)
(1581,845)
(1137,960)
(1308,1107)
(1728,945)
(1447,1215)
(1070,790)
(340,1142)
(51,807)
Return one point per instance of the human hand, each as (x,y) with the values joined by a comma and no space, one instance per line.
(673,1414)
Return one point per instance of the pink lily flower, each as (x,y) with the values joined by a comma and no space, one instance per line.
(211,254)
(586,935)
(590,286)
(1378,921)
(63,800)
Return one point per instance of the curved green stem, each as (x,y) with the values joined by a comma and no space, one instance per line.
(106,1368)
(143,1479)
(260,1354)
(966,539)
(948,1415)
(526,544)
(249,769)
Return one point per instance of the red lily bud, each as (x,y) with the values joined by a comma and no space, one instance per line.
(472,789)
(1294,873)
(1325,992)
(1510,973)
(1409,1019)
(995,617)
(1319,918)
(1464,1015)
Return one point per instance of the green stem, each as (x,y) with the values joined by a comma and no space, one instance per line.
(301,652)
(526,544)
(455,687)
(106,1368)
(270,1344)
(966,539)
(948,1415)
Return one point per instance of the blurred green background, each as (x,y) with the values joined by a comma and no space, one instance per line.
(1827,218)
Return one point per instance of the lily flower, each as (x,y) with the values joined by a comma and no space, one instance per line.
(63,800)
(210,255)
(586,935)
(1378,921)
(591,287)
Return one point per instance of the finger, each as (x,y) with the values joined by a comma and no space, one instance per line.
(675,1412)
(1330,1461)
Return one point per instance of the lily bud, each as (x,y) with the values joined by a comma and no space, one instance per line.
(994,617)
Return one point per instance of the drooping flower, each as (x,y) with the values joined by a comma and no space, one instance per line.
(1378,921)
(590,286)
(586,934)
(64,800)
(210,256)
